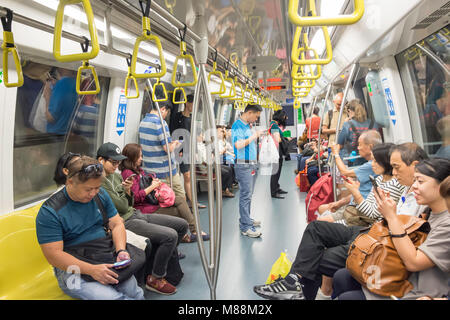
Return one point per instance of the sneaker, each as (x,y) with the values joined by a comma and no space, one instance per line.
(159,285)
(193,237)
(288,288)
(252,234)
(256,223)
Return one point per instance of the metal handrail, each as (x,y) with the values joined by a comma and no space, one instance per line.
(347,88)
(211,268)
(327,96)
(169,155)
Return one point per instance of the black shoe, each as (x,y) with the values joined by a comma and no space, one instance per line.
(277,196)
(288,288)
(281,191)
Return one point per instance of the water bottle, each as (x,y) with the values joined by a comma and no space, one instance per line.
(352,156)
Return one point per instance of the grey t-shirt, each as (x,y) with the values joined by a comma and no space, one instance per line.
(433,281)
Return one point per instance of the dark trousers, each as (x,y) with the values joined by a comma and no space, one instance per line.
(164,232)
(274,185)
(227,177)
(313,174)
(345,287)
(322,251)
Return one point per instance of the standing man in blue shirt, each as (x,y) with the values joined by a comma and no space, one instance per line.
(244,144)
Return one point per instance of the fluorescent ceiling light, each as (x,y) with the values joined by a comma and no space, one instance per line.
(328,8)
(75,12)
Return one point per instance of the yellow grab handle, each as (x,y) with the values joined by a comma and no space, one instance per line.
(314,20)
(218,74)
(247,92)
(8,46)
(184,100)
(303,84)
(155,86)
(234,58)
(147,36)
(58,33)
(185,56)
(241,90)
(86,66)
(296,51)
(232,92)
(302,76)
(297,104)
(127,80)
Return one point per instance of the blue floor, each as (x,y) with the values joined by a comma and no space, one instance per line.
(245,262)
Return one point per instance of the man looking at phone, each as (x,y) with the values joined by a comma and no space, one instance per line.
(163,231)
(366,142)
(71,217)
(154,148)
(244,144)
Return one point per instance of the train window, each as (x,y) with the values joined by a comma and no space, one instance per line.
(52,119)
(424,70)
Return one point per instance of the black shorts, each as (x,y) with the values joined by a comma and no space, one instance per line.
(184,167)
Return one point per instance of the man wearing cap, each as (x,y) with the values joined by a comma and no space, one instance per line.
(154,148)
(164,231)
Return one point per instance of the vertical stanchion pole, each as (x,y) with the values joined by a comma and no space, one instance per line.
(327,95)
(169,155)
(347,88)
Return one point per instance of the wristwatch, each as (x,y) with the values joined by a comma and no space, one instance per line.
(122,250)
(397,235)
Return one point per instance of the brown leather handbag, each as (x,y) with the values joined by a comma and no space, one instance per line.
(374,262)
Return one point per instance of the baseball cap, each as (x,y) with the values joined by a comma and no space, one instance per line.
(110,150)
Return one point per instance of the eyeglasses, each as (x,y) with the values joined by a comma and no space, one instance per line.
(89,171)
(115,163)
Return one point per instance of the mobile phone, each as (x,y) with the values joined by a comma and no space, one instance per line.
(131,177)
(345,178)
(374,184)
(122,263)
(394,297)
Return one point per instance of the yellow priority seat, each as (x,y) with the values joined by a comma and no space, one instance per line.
(25,274)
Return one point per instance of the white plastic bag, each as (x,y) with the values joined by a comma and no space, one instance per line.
(268,152)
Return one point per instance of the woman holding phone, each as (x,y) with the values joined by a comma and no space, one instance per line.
(429,264)
(132,166)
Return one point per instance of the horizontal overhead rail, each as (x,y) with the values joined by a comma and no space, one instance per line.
(50,29)
(134,13)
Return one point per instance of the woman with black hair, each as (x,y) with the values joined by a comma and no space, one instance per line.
(61,170)
(429,264)
(278,118)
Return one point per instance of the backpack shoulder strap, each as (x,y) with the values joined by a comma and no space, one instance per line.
(102,209)
(330,117)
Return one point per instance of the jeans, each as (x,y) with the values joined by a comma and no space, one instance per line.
(164,232)
(76,287)
(247,182)
(345,287)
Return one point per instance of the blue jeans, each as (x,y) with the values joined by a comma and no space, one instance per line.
(246,186)
(76,287)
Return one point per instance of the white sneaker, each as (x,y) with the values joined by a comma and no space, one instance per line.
(251,234)
(256,223)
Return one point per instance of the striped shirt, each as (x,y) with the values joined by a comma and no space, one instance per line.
(369,206)
(85,122)
(151,138)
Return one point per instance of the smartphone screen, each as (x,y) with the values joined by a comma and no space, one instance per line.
(122,263)
(130,178)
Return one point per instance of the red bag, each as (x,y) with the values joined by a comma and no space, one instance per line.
(320,193)
(304,182)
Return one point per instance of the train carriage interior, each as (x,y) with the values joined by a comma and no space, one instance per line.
(109,63)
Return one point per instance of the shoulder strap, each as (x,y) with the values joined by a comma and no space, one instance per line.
(330,116)
(371,124)
(99,203)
